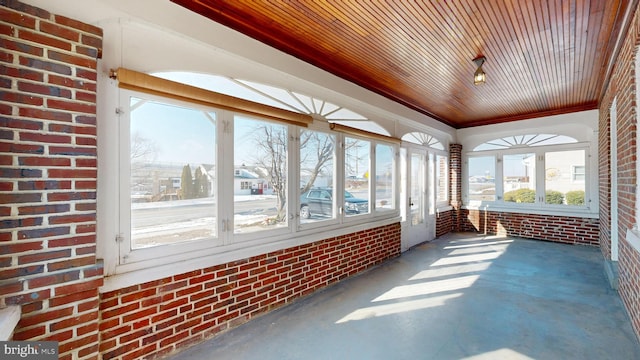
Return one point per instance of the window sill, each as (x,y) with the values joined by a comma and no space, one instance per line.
(572,212)
(9,318)
(633,238)
(444,208)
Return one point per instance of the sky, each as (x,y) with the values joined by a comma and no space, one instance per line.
(179,135)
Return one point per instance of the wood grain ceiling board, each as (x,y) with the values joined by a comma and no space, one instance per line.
(544,57)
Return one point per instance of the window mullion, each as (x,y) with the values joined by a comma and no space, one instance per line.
(225,175)
(540,179)
(499,178)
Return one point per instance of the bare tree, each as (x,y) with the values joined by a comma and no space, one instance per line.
(142,153)
(316,149)
(353,155)
(143,150)
(271,142)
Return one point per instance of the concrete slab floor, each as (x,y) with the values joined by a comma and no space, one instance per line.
(462,296)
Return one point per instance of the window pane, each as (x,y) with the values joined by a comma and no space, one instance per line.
(317,176)
(260,175)
(431,187)
(356,170)
(519,174)
(173,154)
(416,206)
(442,178)
(482,178)
(385,171)
(565,177)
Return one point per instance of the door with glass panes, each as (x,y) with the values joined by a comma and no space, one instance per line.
(418,211)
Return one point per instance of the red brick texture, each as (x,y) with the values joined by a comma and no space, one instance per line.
(47,238)
(444,222)
(455,183)
(561,229)
(622,88)
(156,318)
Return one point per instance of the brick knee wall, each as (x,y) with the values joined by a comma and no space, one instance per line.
(48,175)
(562,229)
(156,318)
(444,222)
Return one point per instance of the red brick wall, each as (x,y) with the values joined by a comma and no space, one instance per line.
(155,318)
(562,229)
(48,141)
(622,87)
(444,222)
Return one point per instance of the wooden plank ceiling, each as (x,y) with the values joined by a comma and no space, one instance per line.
(544,57)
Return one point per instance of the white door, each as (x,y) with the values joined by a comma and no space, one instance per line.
(416,221)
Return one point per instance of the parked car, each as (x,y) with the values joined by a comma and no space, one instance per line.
(320,202)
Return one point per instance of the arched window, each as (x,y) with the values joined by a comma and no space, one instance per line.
(529,170)
(420,138)
(525,140)
(277,97)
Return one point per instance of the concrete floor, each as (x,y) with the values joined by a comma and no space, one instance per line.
(462,296)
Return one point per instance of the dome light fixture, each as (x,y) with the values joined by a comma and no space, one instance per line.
(479,77)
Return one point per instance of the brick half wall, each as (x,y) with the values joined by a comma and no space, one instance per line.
(156,318)
(561,229)
(445,222)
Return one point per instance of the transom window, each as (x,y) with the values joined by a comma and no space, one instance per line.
(277,97)
(525,140)
(423,139)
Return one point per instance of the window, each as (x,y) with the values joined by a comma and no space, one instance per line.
(519,178)
(218,182)
(442,179)
(482,178)
(565,177)
(260,151)
(530,140)
(356,169)
(385,176)
(172,157)
(317,176)
(551,172)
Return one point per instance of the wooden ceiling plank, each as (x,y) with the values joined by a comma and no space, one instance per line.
(557,36)
(555,87)
(508,57)
(543,56)
(593,22)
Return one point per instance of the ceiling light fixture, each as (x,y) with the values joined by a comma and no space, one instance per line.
(480,77)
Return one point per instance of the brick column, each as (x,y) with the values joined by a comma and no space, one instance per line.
(48,175)
(455,185)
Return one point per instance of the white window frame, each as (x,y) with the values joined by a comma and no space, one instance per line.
(445,204)
(342,213)
(539,206)
(395,185)
(136,265)
(337,171)
(130,259)
(260,236)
